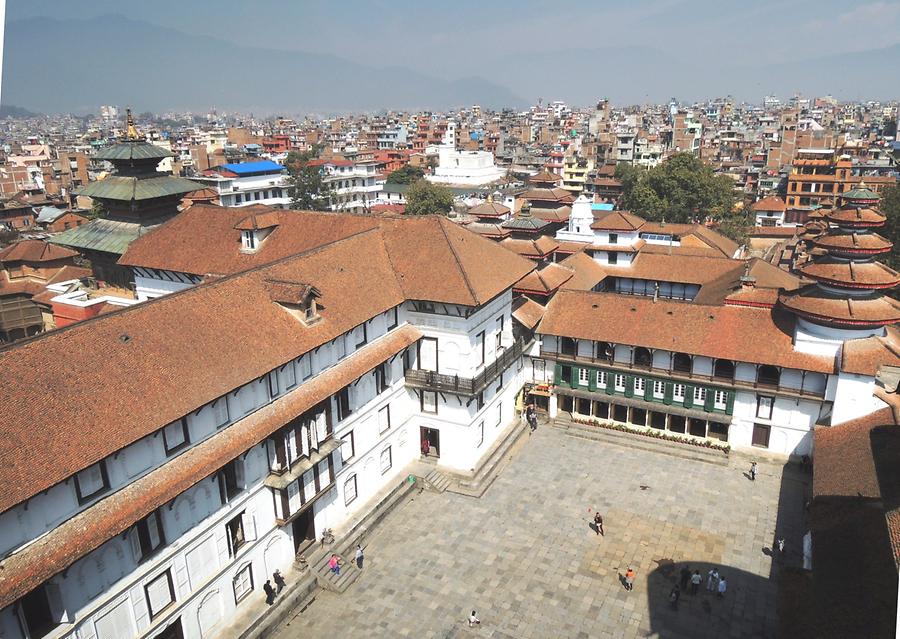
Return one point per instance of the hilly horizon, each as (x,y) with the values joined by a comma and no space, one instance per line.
(158,69)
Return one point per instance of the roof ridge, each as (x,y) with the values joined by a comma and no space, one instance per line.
(441,222)
(185,291)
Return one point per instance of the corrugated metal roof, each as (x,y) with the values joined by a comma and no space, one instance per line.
(133,150)
(128,188)
(109,236)
(248,168)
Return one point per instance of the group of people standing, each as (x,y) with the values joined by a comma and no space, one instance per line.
(271,591)
(715,582)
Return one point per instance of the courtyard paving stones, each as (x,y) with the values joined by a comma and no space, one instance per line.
(526,559)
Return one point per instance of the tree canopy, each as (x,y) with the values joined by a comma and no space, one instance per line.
(682,190)
(307,186)
(405,175)
(425,198)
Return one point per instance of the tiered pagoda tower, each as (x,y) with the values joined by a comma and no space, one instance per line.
(134,199)
(849,286)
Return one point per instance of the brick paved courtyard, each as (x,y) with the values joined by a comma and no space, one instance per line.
(525,558)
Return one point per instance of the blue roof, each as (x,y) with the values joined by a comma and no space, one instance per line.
(603,206)
(249,168)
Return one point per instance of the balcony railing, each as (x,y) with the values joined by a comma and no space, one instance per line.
(687,376)
(431,380)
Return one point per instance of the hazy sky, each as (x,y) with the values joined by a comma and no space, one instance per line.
(498,40)
(467,37)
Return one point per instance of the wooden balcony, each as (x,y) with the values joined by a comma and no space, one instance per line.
(469,386)
(686,376)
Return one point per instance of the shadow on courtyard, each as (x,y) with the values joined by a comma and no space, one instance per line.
(753,606)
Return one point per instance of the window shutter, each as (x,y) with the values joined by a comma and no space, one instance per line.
(573,382)
(688,396)
(557,374)
(667,394)
(610,383)
(648,389)
(135,540)
(729,402)
(710,399)
(239,474)
(629,386)
(54,599)
(248,519)
(592,380)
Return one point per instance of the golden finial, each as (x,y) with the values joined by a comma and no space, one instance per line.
(130,130)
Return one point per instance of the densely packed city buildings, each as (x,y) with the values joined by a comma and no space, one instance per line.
(220,379)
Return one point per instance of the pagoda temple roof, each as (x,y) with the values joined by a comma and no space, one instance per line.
(864,243)
(861,192)
(117,187)
(107,236)
(855,216)
(821,306)
(133,150)
(851,274)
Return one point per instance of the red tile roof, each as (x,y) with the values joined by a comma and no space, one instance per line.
(758,336)
(198,338)
(527,312)
(771,203)
(34,251)
(618,221)
(114,514)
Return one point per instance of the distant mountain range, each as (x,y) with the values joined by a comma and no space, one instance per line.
(12,111)
(76,65)
(56,65)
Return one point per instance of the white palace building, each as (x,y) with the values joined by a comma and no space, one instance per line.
(161,461)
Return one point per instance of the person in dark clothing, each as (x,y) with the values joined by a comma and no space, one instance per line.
(598,523)
(685,577)
(279,582)
(674,595)
(270,592)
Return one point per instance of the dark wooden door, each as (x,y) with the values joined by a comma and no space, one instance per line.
(761,435)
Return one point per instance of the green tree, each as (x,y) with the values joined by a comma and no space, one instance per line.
(405,175)
(307,186)
(681,189)
(890,207)
(425,198)
(97,210)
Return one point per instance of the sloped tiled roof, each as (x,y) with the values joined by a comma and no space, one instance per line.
(34,251)
(759,336)
(107,236)
(618,221)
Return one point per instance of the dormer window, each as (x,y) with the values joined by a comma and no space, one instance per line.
(299,298)
(249,240)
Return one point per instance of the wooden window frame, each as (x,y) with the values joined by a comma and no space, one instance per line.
(168,574)
(184,443)
(83,499)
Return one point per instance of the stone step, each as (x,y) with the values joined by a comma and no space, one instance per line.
(438,481)
(642,442)
(327,580)
(477,484)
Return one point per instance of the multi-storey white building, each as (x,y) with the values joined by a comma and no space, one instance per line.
(246,183)
(354,184)
(193,444)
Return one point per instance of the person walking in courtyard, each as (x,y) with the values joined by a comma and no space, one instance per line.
(779,545)
(531,417)
(723,586)
(474,620)
(685,576)
(279,581)
(598,523)
(335,565)
(270,593)
(359,556)
(753,470)
(696,579)
(712,579)
(629,579)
